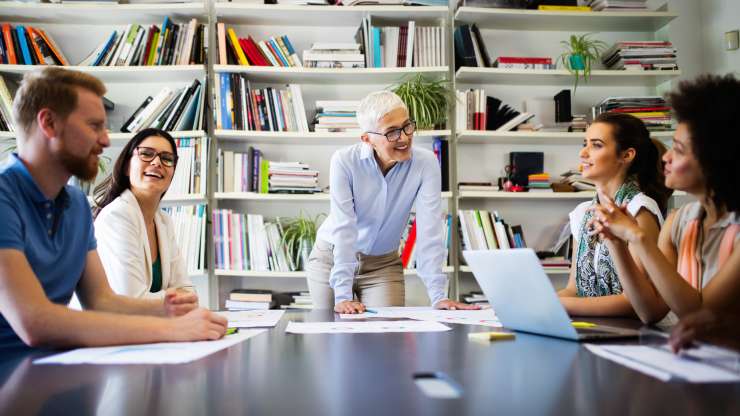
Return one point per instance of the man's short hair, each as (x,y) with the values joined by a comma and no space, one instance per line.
(54,88)
(375,106)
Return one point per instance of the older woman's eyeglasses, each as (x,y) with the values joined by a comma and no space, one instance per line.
(395,134)
(147,154)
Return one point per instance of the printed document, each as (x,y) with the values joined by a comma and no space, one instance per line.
(253,319)
(705,364)
(357,327)
(482,317)
(161,353)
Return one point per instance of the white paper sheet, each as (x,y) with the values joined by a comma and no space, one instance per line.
(161,353)
(702,365)
(253,319)
(483,317)
(364,327)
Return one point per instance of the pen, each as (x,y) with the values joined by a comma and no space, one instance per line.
(370,311)
(230,331)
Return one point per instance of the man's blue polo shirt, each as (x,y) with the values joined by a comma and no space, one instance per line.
(54,234)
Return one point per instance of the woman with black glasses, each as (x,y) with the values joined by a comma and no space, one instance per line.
(136,240)
(374,184)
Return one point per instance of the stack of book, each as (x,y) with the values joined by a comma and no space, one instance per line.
(293,178)
(337,116)
(539,182)
(6,107)
(300,301)
(652,110)
(387,45)
(26,45)
(275,51)
(138,45)
(256,299)
(248,242)
(190,174)
(190,233)
(407,247)
(518,62)
(482,230)
(334,55)
(617,5)
(579,123)
(241,107)
(171,110)
(477,298)
(575,179)
(476,111)
(641,55)
(251,172)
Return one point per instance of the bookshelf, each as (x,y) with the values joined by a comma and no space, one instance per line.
(482,155)
(474,155)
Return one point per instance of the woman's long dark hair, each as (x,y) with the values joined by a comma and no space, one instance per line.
(118,181)
(630,132)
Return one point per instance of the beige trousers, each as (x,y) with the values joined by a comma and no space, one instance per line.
(378,279)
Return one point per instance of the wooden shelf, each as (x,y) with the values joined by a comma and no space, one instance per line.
(550,271)
(322,16)
(516,19)
(299,274)
(127,74)
(330,75)
(525,195)
(101,14)
(311,138)
(561,77)
(532,137)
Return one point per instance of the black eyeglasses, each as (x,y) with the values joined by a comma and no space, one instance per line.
(147,154)
(395,134)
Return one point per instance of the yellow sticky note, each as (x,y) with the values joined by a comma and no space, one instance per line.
(490,336)
(577,324)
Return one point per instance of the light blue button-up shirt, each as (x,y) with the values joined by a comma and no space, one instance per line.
(369,212)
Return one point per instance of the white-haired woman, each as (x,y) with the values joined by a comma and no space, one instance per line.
(373,186)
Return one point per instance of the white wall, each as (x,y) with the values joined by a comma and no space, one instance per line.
(718,17)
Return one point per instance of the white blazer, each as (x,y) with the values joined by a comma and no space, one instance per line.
(123,247)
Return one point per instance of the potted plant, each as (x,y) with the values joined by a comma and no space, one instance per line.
(299,235)
(580,54)
(427,100)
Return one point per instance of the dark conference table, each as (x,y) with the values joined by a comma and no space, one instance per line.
(361,374)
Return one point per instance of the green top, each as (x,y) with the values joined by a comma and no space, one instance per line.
(156,276)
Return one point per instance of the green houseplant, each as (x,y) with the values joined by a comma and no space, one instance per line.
(299,235)
(427,100)
(580,54)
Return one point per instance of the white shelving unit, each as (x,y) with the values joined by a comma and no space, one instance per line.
(474,155)
(482,155)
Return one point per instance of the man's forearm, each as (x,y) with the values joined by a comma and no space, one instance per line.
(120,304)
(58,326)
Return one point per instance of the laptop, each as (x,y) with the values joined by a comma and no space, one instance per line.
(523,298)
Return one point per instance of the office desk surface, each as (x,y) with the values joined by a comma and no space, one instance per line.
(360,374)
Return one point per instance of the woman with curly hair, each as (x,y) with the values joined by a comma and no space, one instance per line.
(695,263)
